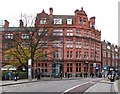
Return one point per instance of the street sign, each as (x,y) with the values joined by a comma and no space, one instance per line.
(1,22)
(30,69)
(111,68)
(29,61)
(94,65)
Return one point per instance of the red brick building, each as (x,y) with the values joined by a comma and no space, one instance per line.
(79,51)
(8,35)
(110,57)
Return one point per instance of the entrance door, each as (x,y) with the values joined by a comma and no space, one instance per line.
(85,67)
(91,69)
(56,70)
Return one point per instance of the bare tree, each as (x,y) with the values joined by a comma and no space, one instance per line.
(31,41)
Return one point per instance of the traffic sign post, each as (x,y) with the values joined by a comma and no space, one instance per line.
(30,69)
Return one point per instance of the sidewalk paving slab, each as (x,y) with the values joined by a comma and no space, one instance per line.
(104,86)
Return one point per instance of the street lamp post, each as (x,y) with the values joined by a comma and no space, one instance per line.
(63,56)
(95,65)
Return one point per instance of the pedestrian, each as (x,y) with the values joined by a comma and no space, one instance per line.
(92,74)
(38,75)
(61,75)
(80,74)
(3,77)
(9,75)
(68,75)
(65,74)
(15,76)
(84,74)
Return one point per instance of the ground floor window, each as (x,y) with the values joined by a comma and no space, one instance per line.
(85,67)
(91,68)
(69,67)
(78,67)
(44,67)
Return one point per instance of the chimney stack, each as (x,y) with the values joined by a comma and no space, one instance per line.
(92,22)
(51,11)
(82,8)
(6,24)
(76,11)
(21,23)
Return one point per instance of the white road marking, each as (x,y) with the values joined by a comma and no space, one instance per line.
(8,91)
(74,87)
(91,82)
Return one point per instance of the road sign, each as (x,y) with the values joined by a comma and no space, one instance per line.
(94,65)
(29,61)
(30,69)
(1,22)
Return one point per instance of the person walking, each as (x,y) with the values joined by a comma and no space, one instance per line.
(38,75)
(60,75)
(80,74)
(3,77)
(84,75)
(15,76)
(92,74)
(9,75)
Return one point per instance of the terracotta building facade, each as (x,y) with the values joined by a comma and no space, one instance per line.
(78,46)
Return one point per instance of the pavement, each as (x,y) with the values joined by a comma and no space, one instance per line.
(119,86)
(104,86)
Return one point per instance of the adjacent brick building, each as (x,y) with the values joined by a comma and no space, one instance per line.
(110,57)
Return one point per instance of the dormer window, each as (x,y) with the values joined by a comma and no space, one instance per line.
(42,20)
(80,21)
(57,21)
(69,21)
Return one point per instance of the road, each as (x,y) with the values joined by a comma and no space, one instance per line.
(61,86)
(119,86)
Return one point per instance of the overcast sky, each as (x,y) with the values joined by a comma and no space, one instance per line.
(105,11)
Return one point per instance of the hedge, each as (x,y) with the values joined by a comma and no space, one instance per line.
(21,75)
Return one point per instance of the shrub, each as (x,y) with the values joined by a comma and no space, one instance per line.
(22,75)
